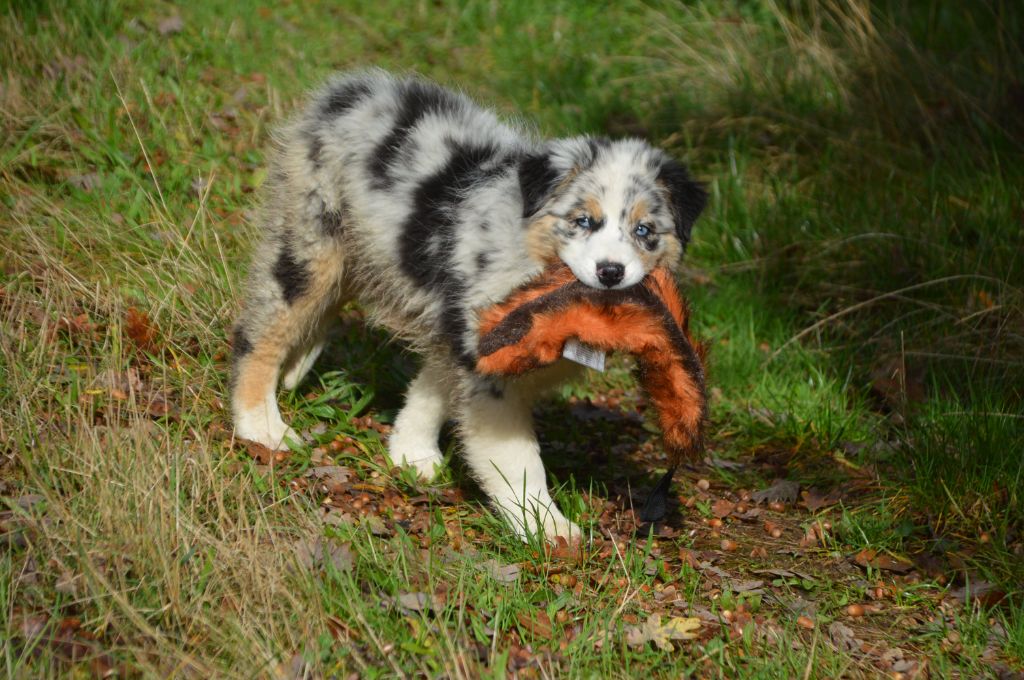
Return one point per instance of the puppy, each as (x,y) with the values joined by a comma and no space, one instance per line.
(426,208)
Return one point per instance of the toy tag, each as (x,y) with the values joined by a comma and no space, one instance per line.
(589,356)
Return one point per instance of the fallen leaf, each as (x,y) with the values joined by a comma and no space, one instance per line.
(376,525)
(722,463)
(170,25)
(158,405)
(418,602)
(260,453)
(722,508)
(334,474)
(661,634)
(86,182)
(29,500)
(814,501)
(980,591)
(871,558)
(314,553)
(335,518)
(539,624)
(140,329)
(780,490)
(843,637)
(502,573)
(785,573)
(745,586)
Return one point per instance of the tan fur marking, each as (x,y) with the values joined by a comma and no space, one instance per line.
(671,254)
(638,211)
(272,345)
(541,242)
(593,208)
(259,370)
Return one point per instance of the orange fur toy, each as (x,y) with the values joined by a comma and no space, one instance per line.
(648,320)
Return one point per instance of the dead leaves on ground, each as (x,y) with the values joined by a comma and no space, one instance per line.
(662,633)
(873,559)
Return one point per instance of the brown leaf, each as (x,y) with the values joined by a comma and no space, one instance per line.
(539,625)
(331,474)
(690,558)
(722,508)
(564,549)
(259,452)
(745,586)
(843,637)
(140,330)
(317,552)
(376,525)
(871,558)
(780,490)
(76,326)
(158,405)
(980,591)
(814,501)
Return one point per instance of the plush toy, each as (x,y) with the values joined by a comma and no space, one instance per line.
(530,329)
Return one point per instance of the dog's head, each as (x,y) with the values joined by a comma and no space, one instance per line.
(611,210)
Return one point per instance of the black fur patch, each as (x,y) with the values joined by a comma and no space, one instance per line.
(428,237)
(240,345)
(687,197)
(418,99)
(483,260)
(537,179)
(291,275)
(314,150)
(343,98)
(331,223)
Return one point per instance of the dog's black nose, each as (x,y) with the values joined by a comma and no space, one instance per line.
(610,273)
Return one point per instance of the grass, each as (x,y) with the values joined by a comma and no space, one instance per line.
(857,277)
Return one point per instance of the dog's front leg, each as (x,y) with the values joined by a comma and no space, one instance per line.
(504,455)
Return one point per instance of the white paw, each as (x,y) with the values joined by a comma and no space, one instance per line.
(425,457)
(560,526)
(426,462)
(535,519)
(272,434)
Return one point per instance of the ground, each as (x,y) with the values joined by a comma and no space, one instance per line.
(857,280)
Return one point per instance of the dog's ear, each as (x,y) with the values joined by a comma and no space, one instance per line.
(542,172)
(538,178)
(686,196)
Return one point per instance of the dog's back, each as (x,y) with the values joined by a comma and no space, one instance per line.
(420,185)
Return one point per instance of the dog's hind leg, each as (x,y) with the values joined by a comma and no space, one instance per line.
(289,306)
(304,358)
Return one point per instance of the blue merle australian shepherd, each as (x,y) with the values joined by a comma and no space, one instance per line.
(426,208)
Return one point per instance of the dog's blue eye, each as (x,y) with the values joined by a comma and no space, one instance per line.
(642,230)
(584,222)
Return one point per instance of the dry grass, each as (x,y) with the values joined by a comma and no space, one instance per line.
(141,519)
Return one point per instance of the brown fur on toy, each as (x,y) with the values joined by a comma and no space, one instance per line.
(649,320)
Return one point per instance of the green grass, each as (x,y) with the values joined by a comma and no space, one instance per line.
(857,277)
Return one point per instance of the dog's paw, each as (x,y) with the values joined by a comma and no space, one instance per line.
(560,527)
(426,467)
(416,453)
(273,435)
(536,521)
